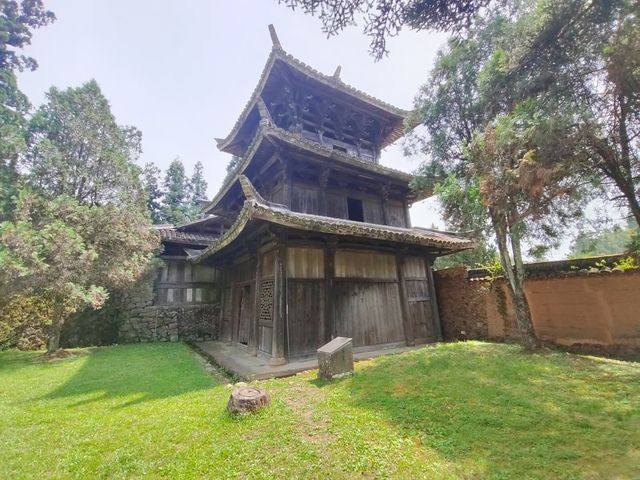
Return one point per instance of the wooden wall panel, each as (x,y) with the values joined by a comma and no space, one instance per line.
(305,316)
(266,339)
(414,267)
(305,199)
(417,290)
(227,312)
(244,272)
(336,205)
(365,264)
(278,195)
(372,210)
(421,319)
(369,313)
(420,311)
(269,264)
(305,262)
(395,214)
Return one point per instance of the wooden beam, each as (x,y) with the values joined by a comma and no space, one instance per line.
(253,329)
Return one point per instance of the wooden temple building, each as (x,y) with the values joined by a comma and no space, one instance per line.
(311,236)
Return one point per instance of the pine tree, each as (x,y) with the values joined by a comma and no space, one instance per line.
(175,202)
(150,179)
(197,191)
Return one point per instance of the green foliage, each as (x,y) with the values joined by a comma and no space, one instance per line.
(472,258)
(627,263)
(197,191)
(175,203)
(77,148)
(385,18)
(17,22)
(493,267)
(150,178)
(578,60)
(594,243)
(456,410)
(23,319)
(232,166)
(70,253)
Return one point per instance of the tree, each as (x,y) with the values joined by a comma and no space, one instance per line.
(175,202)
(490,162)
(78,149)
(603,241)
(523,181)
(581,57)
(232,166)
(197,191)
(385,18)
(71,253)
(17,21)
(150,178)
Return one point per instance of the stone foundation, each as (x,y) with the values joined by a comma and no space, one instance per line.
(151,323)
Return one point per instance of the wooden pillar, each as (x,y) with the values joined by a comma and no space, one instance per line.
(437,324)
(253,329)
(287,183)
(280,307)
(223,283)
(404,302)
(329,274)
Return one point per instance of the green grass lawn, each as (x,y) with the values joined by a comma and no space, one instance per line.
(465,410)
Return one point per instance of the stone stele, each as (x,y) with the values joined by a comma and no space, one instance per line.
(335,358)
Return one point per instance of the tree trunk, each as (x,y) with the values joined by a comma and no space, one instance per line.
(523,312)
(514,273)
(53,342)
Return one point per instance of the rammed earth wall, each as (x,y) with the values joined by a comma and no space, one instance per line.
(584,311)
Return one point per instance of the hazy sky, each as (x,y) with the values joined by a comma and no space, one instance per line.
(183,71)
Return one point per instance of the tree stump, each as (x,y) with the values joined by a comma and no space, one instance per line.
(247,399)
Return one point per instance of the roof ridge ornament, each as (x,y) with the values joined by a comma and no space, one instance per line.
(249,190)
(336,74)
(274,37)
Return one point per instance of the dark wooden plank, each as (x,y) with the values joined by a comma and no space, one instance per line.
(369,313)
(407,323)
(305,316)
(253,333)
(434,301)
(280,301)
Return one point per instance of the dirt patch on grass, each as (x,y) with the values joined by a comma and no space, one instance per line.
(59,354)
(304,399)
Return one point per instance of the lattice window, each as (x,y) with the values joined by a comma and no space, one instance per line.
(266,301)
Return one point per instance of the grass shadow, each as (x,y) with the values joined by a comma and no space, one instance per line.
(133,373)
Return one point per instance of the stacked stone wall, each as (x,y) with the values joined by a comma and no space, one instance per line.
(145,321)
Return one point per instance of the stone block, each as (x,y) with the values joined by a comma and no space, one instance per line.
(335,359)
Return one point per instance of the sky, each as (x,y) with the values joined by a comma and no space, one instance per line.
(182,72)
